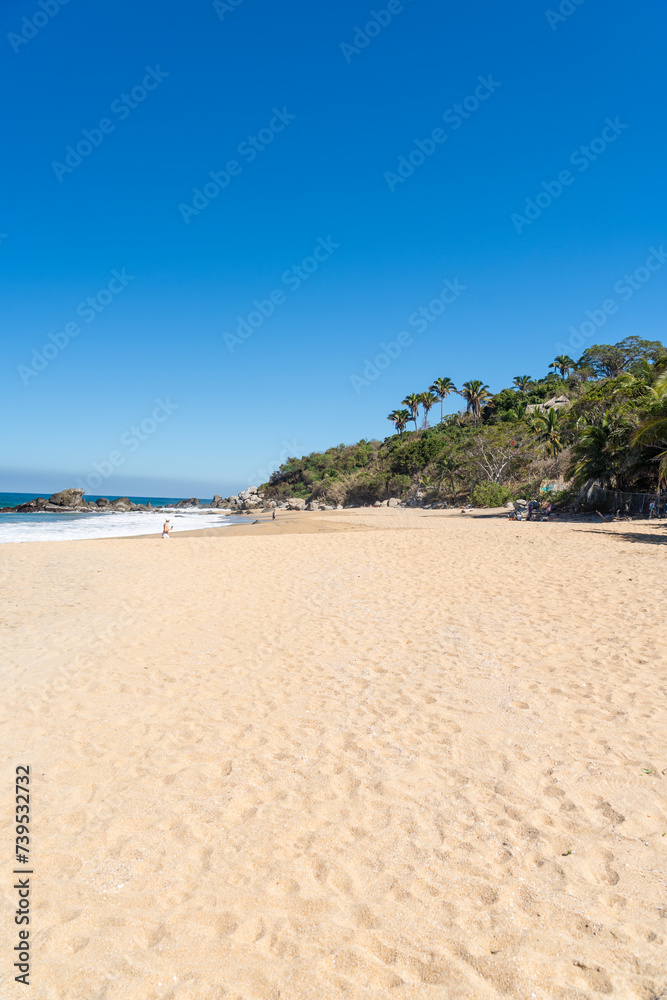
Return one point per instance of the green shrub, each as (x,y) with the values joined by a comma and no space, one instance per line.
(490,495)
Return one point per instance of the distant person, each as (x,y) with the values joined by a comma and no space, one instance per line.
(547,510)
(166,528)
(273,516)
(531,506)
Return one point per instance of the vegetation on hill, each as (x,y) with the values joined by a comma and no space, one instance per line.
(611,429)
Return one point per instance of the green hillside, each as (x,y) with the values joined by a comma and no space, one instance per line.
(611,428)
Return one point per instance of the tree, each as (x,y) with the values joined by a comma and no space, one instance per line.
(412,401)
(601,451)
(563,364)
(428,400)
(610,360)
(442,387)
(653,432)
(548,430)
(521,382)
(475,394)
(400,419)
(448,467)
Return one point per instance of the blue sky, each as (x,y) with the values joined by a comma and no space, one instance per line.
(170,93)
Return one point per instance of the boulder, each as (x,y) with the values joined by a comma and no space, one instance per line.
(313,506)
(192,502)
(37,504)
(217,499)
(103,502)
(67,498)
(393,502)
(296,504)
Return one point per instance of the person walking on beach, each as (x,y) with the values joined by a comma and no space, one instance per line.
(273,516)
(166,528)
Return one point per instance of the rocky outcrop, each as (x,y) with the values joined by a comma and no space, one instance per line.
(67,498)
(193,502)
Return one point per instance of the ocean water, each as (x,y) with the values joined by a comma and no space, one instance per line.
(65,527)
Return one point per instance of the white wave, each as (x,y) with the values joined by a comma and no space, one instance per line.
(65,527)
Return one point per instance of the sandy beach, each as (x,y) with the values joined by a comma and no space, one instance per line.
(365,754)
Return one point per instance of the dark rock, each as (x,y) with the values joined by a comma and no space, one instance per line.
(37,504)
(193,502)
(103,502)
(67,498)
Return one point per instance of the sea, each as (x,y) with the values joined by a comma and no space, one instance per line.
(105,524)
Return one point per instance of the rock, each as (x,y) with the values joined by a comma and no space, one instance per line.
(296,504)
(217,499)
(67,498)
(377,504)
(37,504)
(192,502)
(103,502)
(393,502)
(509,505)
(313,506)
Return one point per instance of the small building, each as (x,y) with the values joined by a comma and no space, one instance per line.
(556,403)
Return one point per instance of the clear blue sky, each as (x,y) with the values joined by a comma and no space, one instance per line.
(330,173)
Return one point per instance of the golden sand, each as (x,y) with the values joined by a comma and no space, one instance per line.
(420,756)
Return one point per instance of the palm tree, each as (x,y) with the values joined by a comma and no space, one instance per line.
(601,451)
(428,400)
(475,393)
(412,401)
(448,467)
(521,382)
(442,387)
(548,430)
(653,432)
(563,364)
(399,418)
